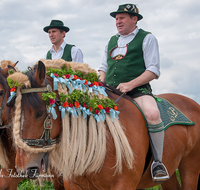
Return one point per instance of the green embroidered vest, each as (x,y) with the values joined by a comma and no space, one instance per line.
(130,66)
(66,54)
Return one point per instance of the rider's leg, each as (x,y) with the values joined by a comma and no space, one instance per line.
(156,133)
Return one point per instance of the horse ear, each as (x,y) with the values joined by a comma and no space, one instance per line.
(9,67)
(40,73)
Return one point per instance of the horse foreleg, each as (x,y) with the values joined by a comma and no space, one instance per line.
(189,179)
(189,173)
(171,184)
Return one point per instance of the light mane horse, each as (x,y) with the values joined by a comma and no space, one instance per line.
(98,155)
(9,176)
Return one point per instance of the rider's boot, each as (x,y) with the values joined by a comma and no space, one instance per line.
(158,171)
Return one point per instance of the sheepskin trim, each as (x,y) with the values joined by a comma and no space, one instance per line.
(58,63)
(4,63)
(20,79)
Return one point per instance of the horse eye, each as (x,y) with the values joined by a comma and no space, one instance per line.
(39,114)
(1,92)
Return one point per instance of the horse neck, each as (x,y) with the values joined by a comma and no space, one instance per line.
(6,133)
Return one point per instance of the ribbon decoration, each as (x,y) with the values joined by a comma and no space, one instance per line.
(52,110)
(80,84)
(114,114)
(55,81)
(72,111)
(95,88)
(78,110)
(74,85)
(102,115)
(96,117)
(101,90)
(67,83)
(12,94)
(62,110)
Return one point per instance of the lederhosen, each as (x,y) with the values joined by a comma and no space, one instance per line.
(126,68)
(66,54)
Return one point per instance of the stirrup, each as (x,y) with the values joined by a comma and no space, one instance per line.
(159,179)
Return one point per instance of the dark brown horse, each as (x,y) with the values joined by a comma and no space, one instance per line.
(181,146)
(7,149)
(9,176)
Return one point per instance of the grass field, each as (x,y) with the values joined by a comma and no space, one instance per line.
(29,185)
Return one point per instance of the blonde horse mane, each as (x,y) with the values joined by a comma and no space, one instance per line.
(82,147)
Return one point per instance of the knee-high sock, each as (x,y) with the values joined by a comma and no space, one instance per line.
(156,142)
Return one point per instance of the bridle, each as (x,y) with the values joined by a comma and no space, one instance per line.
(45,140)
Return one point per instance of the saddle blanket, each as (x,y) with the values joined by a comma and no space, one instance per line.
(170,115)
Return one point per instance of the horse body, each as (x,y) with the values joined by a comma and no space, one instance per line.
(180,151)
(180,148)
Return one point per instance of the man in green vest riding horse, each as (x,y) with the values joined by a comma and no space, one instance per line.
(60,49)
(130,62)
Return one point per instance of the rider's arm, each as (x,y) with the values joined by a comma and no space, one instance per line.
(104,66)
(77,55)
(151,54)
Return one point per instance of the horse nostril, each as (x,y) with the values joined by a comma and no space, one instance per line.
(33,172)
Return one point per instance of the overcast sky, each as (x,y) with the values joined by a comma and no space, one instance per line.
(175,23)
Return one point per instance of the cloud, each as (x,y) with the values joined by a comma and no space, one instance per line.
(175,24)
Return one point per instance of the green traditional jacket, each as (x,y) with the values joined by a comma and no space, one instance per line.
(66,54)
(130,66)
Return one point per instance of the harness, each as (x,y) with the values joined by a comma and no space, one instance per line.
(45,140)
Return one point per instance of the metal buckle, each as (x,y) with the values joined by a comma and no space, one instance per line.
(49,88)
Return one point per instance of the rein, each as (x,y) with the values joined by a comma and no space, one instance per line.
(45,140)
(116,91)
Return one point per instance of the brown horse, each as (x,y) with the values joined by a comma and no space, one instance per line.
(181,145)
(7,155)
(9,176)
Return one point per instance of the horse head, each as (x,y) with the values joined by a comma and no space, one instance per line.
(35,132)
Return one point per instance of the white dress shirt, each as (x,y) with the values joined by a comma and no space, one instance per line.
(76,53)
(149,46)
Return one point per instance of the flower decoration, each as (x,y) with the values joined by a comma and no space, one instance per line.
(65,104)
(77,79)
(51,101)
(79,101)
(49,98)
(12,84)
(13,89)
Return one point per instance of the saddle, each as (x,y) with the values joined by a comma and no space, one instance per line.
(170,115)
